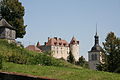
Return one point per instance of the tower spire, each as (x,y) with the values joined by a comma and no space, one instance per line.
(96,29)
(96,36)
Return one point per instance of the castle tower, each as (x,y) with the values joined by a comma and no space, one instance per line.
(74,48)
(95,55)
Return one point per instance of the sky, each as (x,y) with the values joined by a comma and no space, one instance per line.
(67,18)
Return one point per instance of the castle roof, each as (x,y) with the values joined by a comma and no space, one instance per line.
(74,41)
(4,23)
(56,42)
(33,48)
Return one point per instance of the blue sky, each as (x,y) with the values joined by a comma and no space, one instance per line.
(68,18)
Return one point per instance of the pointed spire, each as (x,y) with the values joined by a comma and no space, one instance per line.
(96,36)
(96,29)
(38,44)
(73,40)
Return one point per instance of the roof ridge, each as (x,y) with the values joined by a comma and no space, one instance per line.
(3,22)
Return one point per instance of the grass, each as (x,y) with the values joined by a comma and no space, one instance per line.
(62,73)
(58,69)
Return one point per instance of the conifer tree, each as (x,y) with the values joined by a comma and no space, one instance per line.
(71,58)
(82,62)
(112,51)
(13,12)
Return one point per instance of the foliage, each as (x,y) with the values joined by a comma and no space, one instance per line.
(13,12)
(19,55)
(82,62)
(60,73)
(0,61)
(112,49)
(71,58)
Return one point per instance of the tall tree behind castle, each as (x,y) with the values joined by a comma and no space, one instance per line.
(112,49)
(13,12)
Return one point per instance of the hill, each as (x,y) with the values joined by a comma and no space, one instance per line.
(62,73)
(18,59)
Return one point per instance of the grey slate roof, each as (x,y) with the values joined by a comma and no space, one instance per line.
(96,48)
(4,23)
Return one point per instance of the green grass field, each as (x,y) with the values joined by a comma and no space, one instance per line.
(16,59)
(62,73)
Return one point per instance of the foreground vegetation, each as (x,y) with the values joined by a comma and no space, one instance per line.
(63,73)
(20,60)
(19,55)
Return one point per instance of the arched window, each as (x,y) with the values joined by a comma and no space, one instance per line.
(94,57)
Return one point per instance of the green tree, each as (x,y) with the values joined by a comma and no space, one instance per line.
(112,51)
(13,12)
(71,58)
(82,62)
(0,61)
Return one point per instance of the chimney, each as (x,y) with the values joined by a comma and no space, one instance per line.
(48,38)
(55,38)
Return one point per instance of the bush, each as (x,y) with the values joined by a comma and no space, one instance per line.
(43,59)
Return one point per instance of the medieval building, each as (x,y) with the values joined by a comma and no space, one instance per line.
(6,30)
(95,55)
(60,48)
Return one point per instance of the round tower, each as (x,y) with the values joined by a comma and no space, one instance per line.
(74,48)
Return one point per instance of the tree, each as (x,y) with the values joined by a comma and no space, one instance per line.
(82,62)
(112,51)
(13,12)
(0,61)
(71,58)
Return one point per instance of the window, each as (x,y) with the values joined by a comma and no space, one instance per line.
(55,43)
(94,57)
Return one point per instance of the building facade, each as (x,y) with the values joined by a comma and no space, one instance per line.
(6,30)
(60,48)
(95,55)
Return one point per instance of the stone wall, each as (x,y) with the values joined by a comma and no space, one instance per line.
(16,76)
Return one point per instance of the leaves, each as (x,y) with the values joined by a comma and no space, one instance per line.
(112,49)
(13,12)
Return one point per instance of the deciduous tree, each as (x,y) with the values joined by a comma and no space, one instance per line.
(13,12)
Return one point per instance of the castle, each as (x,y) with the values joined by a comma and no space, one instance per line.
(60,48)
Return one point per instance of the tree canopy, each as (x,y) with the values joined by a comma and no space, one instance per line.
(71,58)
(13,12)
(112,51)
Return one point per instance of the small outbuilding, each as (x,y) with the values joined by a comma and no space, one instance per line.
(6,30)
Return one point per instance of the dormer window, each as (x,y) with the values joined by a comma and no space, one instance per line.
(64,44)
(55,43)
(60,44)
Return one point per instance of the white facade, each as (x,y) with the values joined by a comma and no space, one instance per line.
(75,51)
(60,52)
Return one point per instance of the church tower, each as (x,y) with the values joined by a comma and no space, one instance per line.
(95,55)
(74,48)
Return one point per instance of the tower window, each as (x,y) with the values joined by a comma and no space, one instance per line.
(94,57)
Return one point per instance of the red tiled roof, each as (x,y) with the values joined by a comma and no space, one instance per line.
(33,48)
(56,41)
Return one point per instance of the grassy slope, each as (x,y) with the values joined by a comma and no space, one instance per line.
(63,73)
(70,72)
